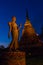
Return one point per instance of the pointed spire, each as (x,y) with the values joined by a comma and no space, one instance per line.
(27,17)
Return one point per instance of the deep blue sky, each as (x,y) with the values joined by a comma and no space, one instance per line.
(9,8)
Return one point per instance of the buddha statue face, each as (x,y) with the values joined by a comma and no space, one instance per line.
(14,18)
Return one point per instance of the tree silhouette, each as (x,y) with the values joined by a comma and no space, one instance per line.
(2,47)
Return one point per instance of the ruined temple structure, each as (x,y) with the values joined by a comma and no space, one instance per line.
(29,37)
(29,46)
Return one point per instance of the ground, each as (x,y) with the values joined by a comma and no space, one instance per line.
(35,61)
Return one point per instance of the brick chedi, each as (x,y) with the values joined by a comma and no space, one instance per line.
(29,37)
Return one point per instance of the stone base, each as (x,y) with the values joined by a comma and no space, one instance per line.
(14,58)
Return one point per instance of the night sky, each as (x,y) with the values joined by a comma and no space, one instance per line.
(9,8)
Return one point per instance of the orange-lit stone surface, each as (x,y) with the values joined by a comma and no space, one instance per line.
(13,58)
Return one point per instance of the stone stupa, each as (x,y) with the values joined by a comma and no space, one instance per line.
(29,37)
